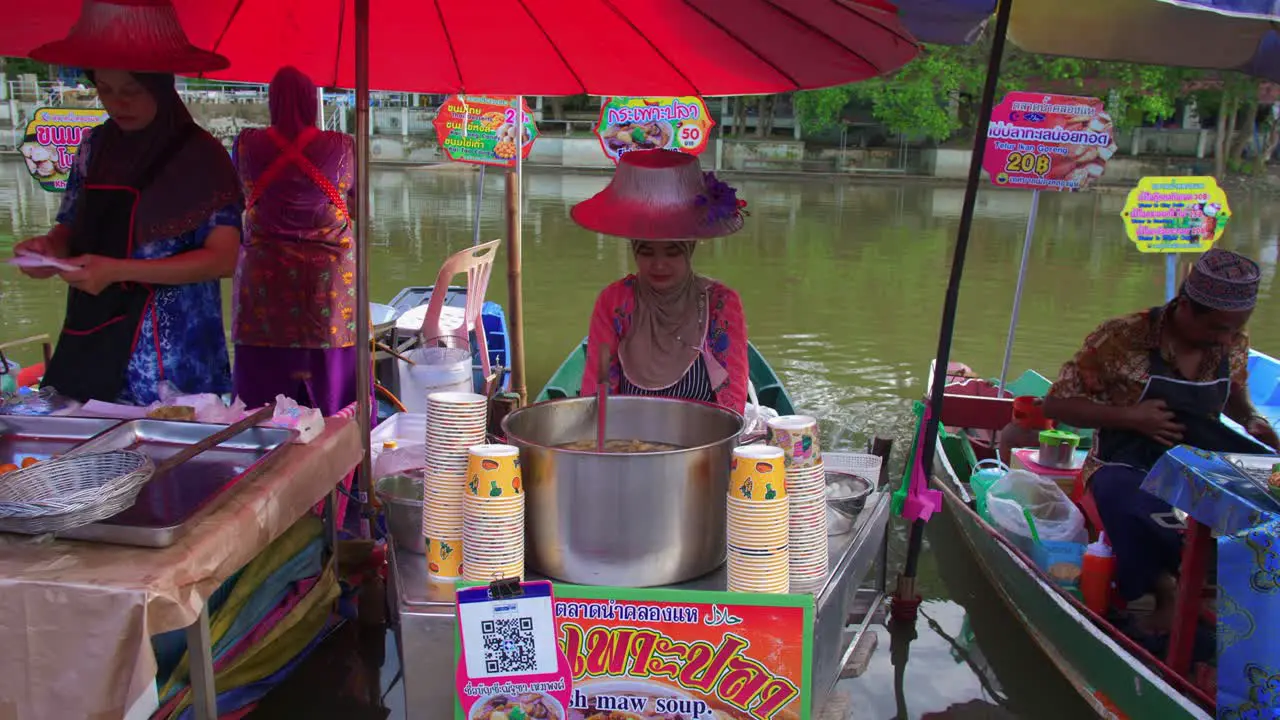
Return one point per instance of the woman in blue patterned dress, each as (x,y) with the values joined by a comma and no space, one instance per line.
(151,219)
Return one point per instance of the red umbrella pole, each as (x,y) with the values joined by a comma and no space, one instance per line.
(905,599)
(364,352)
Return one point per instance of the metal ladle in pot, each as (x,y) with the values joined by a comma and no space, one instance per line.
(602,393)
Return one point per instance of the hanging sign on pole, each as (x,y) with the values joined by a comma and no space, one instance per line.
(1040,141)
(51,141)
(1176,214)
(481,130)
(635,123)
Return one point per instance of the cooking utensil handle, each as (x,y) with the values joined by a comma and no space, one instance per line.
(602,392)
(214,440)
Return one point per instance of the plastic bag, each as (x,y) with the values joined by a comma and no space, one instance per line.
(1057,519)
(394,460)
(757,416)
(309,422)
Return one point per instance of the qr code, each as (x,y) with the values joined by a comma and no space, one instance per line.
(509,646)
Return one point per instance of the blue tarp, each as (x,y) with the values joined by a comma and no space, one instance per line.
(1248,624)
(1209,488)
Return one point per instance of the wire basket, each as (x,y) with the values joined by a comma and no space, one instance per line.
(71,491)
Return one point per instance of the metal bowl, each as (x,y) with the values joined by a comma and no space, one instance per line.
(619,519)
(382,317)
(847,493)
(401,498)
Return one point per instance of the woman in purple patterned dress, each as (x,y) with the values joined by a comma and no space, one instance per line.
(295,295)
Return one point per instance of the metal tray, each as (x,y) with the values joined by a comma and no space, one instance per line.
(165,505)
(41,437)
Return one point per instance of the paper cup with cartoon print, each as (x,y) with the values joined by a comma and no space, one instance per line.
(797,436)
(444,558)
(757,473)
(493,471)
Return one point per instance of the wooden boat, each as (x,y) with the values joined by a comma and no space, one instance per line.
(567,380)
(1116,676)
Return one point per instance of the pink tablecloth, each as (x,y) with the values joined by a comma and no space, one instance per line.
(76,618)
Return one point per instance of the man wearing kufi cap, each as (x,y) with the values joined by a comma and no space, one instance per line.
(1152,380)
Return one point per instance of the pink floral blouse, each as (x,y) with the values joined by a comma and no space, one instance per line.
(726,338)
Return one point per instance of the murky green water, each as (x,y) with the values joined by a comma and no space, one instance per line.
(842,285)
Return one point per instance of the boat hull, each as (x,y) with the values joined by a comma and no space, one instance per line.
(1110,679)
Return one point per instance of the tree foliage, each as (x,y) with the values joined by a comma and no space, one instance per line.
(937,93)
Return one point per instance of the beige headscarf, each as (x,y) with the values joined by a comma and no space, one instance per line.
(668,328)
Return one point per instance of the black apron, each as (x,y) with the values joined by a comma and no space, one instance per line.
(1197,406)
(100,331)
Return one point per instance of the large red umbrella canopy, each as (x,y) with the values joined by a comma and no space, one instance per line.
(534,47)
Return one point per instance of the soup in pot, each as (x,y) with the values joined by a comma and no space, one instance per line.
(621,446)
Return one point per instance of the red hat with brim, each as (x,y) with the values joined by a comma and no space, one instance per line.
(660,195)
(134,35)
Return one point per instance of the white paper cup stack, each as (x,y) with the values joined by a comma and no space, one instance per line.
(797,437)
(493,515)
(455,422)
(759,557)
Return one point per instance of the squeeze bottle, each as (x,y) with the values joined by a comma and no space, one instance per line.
(1096,572)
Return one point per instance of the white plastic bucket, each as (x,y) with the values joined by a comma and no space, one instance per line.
(435,369)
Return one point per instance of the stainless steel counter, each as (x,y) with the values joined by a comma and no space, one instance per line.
(424,611)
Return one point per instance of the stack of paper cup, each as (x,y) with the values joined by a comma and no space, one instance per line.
(797,437)
(455,421)
(493,515)
(759,560)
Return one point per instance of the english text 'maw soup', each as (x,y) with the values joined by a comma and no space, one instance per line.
(621,446)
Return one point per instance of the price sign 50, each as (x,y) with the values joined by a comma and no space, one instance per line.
(690,135)
(1028,162)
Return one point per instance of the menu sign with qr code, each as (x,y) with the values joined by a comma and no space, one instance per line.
(510,667)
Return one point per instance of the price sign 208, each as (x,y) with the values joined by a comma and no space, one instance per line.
(1028,162)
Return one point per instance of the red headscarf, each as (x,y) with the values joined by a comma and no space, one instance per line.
(292,101)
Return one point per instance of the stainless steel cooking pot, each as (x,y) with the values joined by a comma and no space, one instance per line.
(625,519)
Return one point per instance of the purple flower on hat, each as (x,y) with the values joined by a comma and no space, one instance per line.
(720,199)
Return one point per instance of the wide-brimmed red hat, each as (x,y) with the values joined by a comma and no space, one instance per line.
(135,35)
(662,195)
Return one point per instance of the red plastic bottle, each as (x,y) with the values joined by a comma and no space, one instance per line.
(1096,573)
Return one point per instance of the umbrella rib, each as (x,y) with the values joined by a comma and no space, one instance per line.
(887,28)
(225,29)
(448,40)
(337,52)
(554,47)
(673,66)
(745,45)
(822,33)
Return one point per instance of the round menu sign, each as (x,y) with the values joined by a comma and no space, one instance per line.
(1175,214)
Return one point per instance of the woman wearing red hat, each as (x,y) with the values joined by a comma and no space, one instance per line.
(151,217)
(670,331)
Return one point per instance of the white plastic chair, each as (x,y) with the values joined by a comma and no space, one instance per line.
(477,263)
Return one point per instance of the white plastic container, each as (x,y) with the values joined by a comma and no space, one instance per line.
(435,369)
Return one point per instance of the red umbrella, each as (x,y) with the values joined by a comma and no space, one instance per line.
(518,47)
(534,47)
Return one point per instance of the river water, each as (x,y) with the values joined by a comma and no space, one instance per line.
(842,284)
